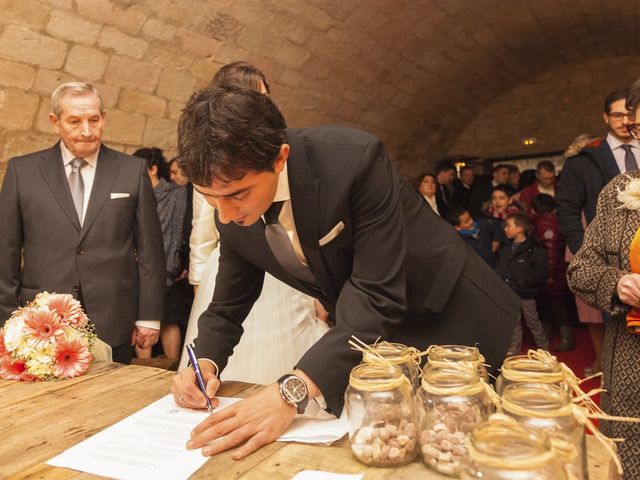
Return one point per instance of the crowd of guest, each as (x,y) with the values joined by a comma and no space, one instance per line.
(528,225)
(523,245)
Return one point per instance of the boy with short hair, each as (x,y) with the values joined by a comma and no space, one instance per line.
(477,234)
(523,265)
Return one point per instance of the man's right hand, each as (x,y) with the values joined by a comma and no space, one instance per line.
(629,289)
(185,388)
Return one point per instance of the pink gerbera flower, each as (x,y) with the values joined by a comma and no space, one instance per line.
(41,327)
(68,308)
(72,358)
(13,369)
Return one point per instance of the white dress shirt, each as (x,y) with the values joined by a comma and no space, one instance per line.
(619,153)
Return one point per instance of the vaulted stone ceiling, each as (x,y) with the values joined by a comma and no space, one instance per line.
(424,75)
(418,71)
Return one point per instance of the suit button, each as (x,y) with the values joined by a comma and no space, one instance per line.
(76,288)
(79,251)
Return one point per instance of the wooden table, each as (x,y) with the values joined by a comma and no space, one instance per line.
(40,420)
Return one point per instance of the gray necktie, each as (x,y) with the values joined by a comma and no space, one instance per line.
(76,185)
(629,159)
(281,246)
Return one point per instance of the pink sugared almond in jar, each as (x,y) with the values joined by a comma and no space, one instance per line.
(394,453)
(364,435)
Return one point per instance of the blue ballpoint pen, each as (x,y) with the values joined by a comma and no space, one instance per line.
(199,378)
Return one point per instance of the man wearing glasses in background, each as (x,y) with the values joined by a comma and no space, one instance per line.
(584,175)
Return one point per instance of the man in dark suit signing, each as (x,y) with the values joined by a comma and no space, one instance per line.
(323,210)
(81,218)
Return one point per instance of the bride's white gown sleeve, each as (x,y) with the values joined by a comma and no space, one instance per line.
(281,326)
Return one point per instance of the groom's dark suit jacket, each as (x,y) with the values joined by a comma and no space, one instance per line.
(396,270)
(116,259)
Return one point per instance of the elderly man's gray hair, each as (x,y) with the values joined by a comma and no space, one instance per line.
(72,88)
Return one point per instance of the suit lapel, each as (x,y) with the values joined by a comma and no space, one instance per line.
(612,165)
(304,187)
(52,170)
(106,172)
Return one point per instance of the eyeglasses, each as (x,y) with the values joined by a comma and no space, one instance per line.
(634,130)
(619,116)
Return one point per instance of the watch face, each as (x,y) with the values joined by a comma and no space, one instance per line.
(295,389)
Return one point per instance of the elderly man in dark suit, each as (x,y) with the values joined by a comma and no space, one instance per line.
(323,210)
(81,218)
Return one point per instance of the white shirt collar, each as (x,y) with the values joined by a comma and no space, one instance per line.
(67,156)
(616,143)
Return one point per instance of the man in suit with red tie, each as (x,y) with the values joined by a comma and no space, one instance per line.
(81,218)
(323,210)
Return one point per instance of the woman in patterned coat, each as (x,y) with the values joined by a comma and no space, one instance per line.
(601,274)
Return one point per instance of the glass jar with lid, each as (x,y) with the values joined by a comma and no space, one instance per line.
(549,408)
(407,358)
(440,354)
(454,401)
(526,369)
(382,415)
(502,449)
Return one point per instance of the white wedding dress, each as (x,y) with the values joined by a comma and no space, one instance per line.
(281,326)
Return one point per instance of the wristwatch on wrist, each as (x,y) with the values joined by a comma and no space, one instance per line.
(294,391)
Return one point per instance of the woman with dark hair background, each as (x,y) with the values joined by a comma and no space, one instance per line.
(427,185)
(171,200)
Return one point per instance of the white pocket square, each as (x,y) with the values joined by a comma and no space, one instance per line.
(119,195)
(332,234)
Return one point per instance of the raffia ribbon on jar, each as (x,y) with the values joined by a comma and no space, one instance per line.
(464,390)
(566,450)
(508,463)
(371,354)
(401,381)
(448,362)
(583,409)
(541,356)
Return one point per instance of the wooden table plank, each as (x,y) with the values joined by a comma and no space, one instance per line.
(49,423)
(12,391)
(115,399)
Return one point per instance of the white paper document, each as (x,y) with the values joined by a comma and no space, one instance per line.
(151,443)
(318,475)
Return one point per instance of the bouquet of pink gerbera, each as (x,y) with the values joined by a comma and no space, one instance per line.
(49,339)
